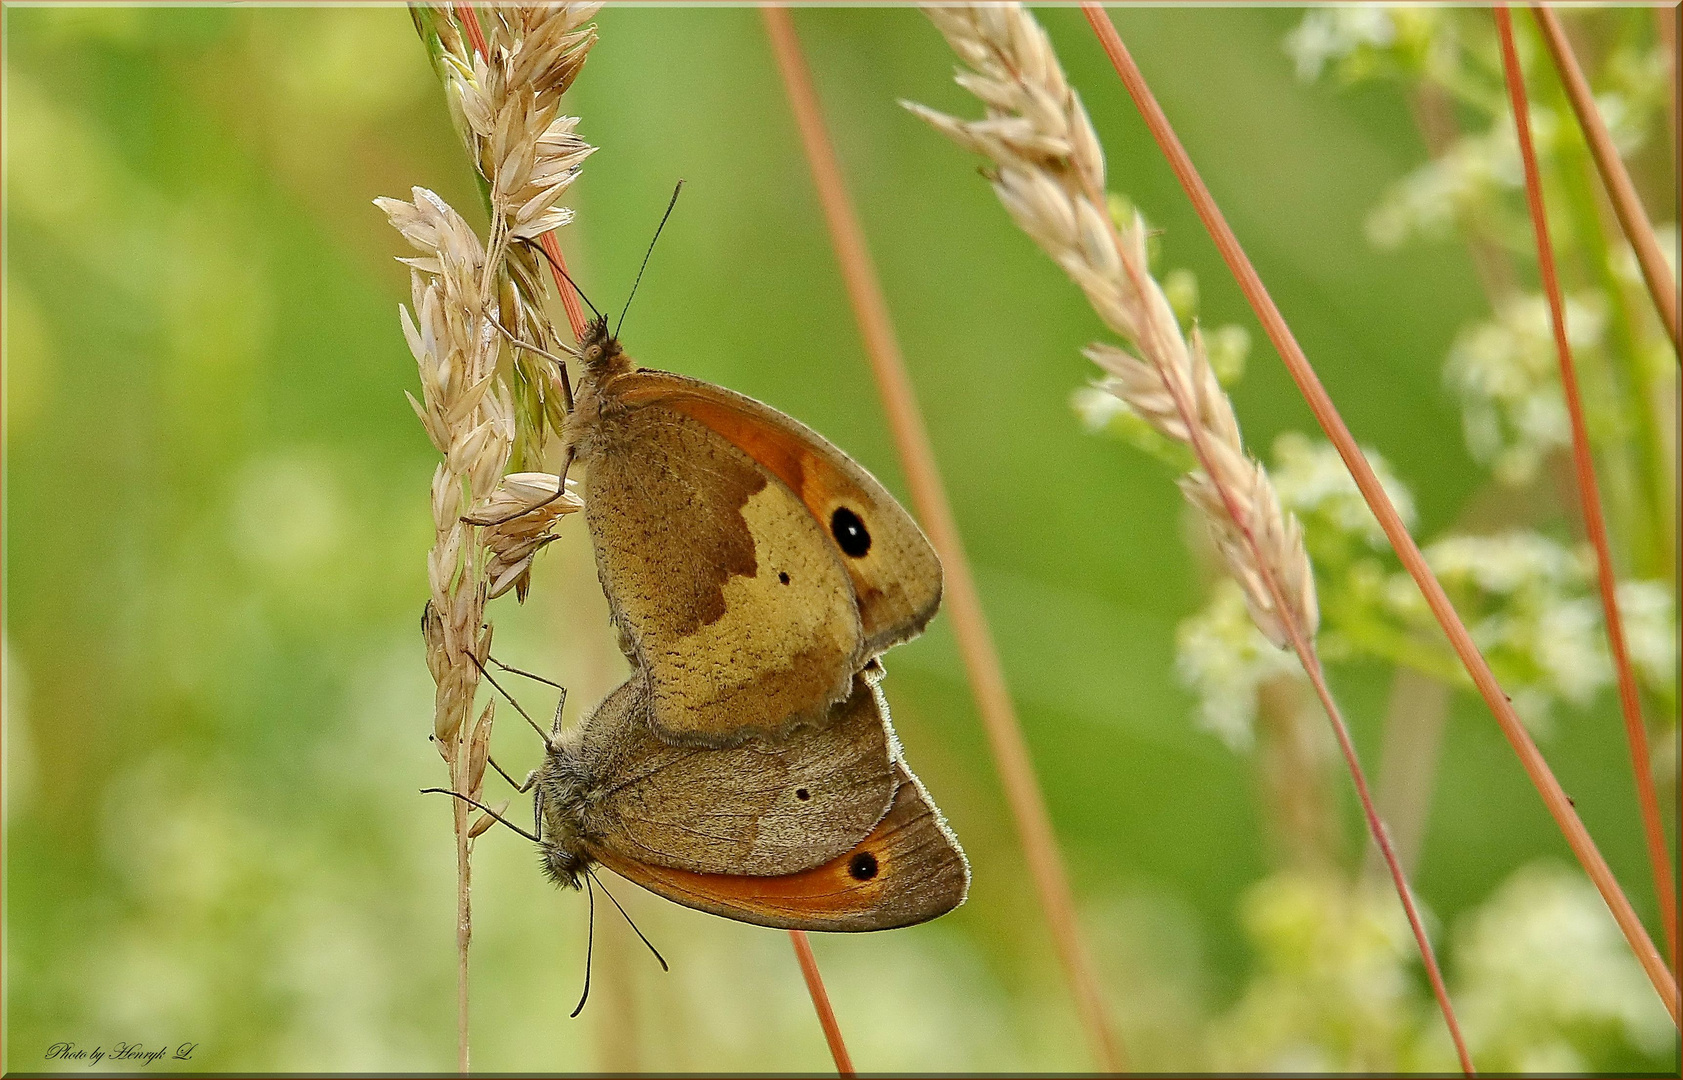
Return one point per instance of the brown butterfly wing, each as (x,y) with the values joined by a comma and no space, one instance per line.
(764,807)
(895,575)
(907,871)
(721,583)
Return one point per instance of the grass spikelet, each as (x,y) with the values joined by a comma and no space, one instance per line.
(470,300)
(507,101)
(1385,511)
(1049,174)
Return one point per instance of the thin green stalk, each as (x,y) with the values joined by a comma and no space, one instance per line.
(1645,504)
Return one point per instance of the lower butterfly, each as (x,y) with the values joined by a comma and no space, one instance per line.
(822,828)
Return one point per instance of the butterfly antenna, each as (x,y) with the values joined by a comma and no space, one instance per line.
(546,739)
(512,670)
(482,806)
(589,942)
(562,270)
(646,255)
(639,933)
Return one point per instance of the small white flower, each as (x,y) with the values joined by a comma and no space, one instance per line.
(1507,563)
(1466,183)
(1332,991)
(1097,407)
(1543,961)
(1624,260)
(1222,657)
(1571,649)
(1649,613)
(1328,34)
(1507,373)
(1315,484)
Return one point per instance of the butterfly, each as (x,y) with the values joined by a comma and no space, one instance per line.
(751,567)
(823,828)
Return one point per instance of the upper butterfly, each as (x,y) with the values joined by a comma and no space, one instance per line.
(751,568)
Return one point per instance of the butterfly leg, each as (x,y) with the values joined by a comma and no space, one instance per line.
(531,777)
(549,743)
(555,727)
(560,490)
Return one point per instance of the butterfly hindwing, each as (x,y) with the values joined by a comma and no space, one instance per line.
(764,807)
(908,870)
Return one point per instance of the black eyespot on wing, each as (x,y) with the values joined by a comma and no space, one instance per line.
(862,866)
(783,576)
(802,794)
(850,532)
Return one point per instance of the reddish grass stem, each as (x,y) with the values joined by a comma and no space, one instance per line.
(1627,205)
(569,298)
(1589,493)
(476,34)
(1387,851)
(1311,661)
(821,1002)
(1408,552)
(963,603)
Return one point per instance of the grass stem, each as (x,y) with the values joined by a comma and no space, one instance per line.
(569,297)
(464,920)
(1589,495)
(821,1002)
(1408,552)
(1627,205)
(963,603)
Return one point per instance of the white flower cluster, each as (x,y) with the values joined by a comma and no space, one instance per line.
(1219,655)
(1466,184)
(1624,259)
(1531,606)
(1222,657)
(1541,978)
(1333,991)
(1315,485)
(1542,969)
(1331,34)
(1507,375)
(1637,85)
(1649,612)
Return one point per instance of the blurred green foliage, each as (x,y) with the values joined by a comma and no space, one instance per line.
(215,498)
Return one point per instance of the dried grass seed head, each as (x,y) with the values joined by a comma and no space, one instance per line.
(1050,178)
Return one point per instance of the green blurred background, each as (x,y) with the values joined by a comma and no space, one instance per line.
(216,520)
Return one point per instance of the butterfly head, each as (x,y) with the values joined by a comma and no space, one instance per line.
(562,795)
(600,350)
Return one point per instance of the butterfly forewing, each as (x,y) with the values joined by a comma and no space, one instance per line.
(722,582)
(895,574)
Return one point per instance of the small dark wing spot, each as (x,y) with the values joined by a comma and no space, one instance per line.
(783,576)
(862,866)
(802,794)
(850,532)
